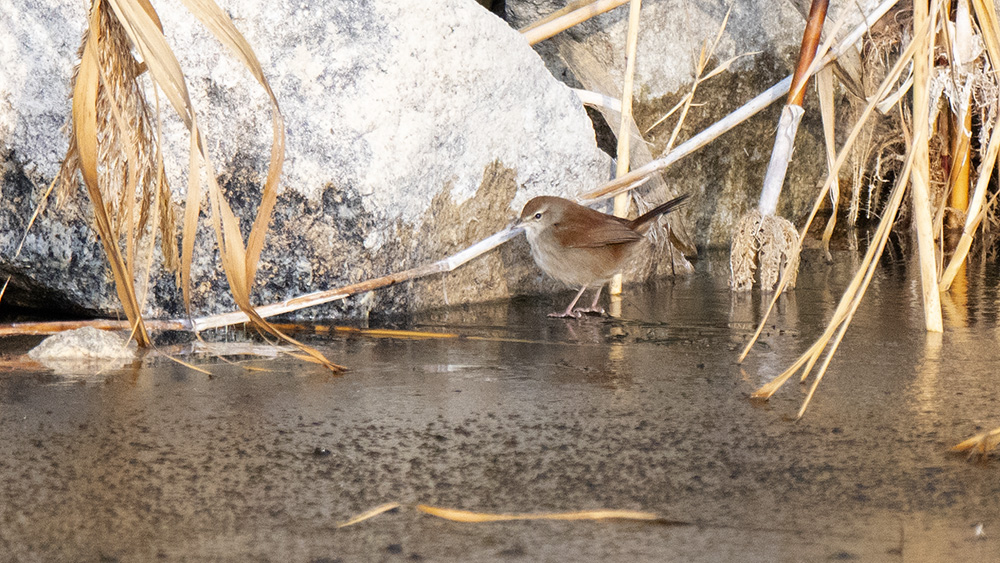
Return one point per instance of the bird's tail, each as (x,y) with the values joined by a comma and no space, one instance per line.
(640,222)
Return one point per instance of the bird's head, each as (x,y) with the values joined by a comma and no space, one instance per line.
(540,213)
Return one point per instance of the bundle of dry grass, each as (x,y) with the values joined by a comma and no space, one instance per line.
(114,148)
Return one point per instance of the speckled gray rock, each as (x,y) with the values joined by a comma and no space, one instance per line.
(396,111)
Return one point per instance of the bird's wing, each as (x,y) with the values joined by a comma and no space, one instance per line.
(608,232)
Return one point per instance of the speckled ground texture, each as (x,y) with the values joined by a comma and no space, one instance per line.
(649,412)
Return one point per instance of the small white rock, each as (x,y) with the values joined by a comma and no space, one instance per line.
(83,343)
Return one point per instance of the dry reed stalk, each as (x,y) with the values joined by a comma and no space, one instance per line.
(289,305)
(537,33)
(370,514)
(570,7)
(824,86)
(989,26)
(763,240)
(888,82)
(598,100)
(320,297)
(52,327)
(975,214)
(961,55)
(920,190)
(622,201)
(477,517)
(470,517)
(706,53)
(746,111)
(980,444)
(959,182)
(39,208)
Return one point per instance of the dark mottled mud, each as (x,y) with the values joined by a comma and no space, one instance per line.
(648,412)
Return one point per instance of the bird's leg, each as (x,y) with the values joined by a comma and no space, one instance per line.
(569,312)
(593,306)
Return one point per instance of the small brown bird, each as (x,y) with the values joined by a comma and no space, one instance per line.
(582,247)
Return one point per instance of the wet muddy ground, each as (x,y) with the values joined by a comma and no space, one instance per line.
(154,461)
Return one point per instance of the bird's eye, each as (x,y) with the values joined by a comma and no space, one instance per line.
(538,215)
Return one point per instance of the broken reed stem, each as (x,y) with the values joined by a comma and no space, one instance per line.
(476,517)
(598,100)
(890,80)
(980,443)
(748,110)
(872,259)
(320,297)
(295,304)
(370,514)
(52,327)
(537,33)
(470,517)
(921,169)
(625,129)
(39,207)
(570,7)
(788,123)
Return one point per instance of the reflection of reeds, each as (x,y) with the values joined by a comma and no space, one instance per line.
(948,74)
(114,148)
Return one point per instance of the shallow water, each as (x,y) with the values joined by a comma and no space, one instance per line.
(530,414)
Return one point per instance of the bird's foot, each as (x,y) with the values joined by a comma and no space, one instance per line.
(565,315)
(589,311)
